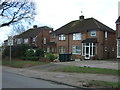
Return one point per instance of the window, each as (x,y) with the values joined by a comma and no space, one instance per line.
(118,55)
(76,50)
(48,49)
(25,41)
(61,49)
(106,49)
(77,36)
(93,33)
(106,34)
(19,41)
(44,42)
(53,35)
(62,37)
(34,39)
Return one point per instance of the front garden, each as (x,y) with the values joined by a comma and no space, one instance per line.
(23,56)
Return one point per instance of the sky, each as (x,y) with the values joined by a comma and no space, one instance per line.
(56,13)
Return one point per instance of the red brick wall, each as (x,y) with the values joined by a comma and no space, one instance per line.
(100,49)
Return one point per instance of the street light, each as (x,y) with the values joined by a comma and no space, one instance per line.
(10,43)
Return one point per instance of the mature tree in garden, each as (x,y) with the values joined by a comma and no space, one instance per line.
(16,11)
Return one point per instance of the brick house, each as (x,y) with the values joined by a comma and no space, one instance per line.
(36,37)
(118,36)
(86,38)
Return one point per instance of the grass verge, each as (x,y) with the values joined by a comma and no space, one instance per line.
(105,84)
(88,70)
(21,64)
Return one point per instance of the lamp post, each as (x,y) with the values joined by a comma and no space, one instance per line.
(10,43)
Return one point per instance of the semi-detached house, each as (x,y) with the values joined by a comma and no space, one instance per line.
(86,38)
(118,36)
(36,37)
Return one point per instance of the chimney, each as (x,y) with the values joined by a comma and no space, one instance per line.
(118,8)
(35,26)
(81,18)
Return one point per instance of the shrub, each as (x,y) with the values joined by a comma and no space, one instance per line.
(39,53)
(50,56)
(16,51)
(29,53)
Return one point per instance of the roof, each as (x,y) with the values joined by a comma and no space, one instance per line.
(118,20)
(32,32)
(90,40)
(83,26)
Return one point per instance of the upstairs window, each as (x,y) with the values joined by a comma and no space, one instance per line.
(77,36)
(93,33)
(34,39)
(44,41)
(106,35)
(62,37)
(19,41)
(25,41)
(53,35)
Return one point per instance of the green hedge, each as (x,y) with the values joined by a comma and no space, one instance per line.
(30,58)
(16,51)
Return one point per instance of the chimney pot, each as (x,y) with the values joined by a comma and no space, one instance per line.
(81,18)
(35,26)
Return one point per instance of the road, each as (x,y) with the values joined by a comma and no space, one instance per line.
(11,80)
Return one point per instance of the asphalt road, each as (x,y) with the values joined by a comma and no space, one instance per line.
(11,80)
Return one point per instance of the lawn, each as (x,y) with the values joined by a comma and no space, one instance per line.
(105,84)
(88,70)
(21,64)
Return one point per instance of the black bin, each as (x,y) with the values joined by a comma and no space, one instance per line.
(65,57)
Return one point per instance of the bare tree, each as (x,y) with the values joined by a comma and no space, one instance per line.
(15,11)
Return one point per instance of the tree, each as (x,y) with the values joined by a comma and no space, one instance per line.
(16,11)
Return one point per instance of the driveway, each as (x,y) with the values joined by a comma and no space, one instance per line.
(93,63)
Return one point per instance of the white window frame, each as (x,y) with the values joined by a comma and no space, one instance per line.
(76,36)
(48,49)
(26,41)
(93,33)
(44,40)
(62,49)
(62,37)
(74,50)
(19,41)
(91,48)
(118,48)
(106,34)
(34,39)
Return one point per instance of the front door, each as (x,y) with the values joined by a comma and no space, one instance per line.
(87,52)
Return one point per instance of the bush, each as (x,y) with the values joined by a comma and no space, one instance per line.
(30,58)
(39,53)
(16,51)
(29,53)
(50,56)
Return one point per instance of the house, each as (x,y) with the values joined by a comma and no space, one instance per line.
(36,37)
(86,38)
(118,36)
(118,32)
(5,43)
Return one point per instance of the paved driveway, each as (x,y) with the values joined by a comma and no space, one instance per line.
(93,63)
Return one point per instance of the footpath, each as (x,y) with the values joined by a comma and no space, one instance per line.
(73,79)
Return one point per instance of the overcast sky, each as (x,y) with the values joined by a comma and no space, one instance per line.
(56,13)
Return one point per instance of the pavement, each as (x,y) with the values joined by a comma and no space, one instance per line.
(79,80)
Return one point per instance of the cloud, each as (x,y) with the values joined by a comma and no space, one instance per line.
(56,13)
(59,12)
